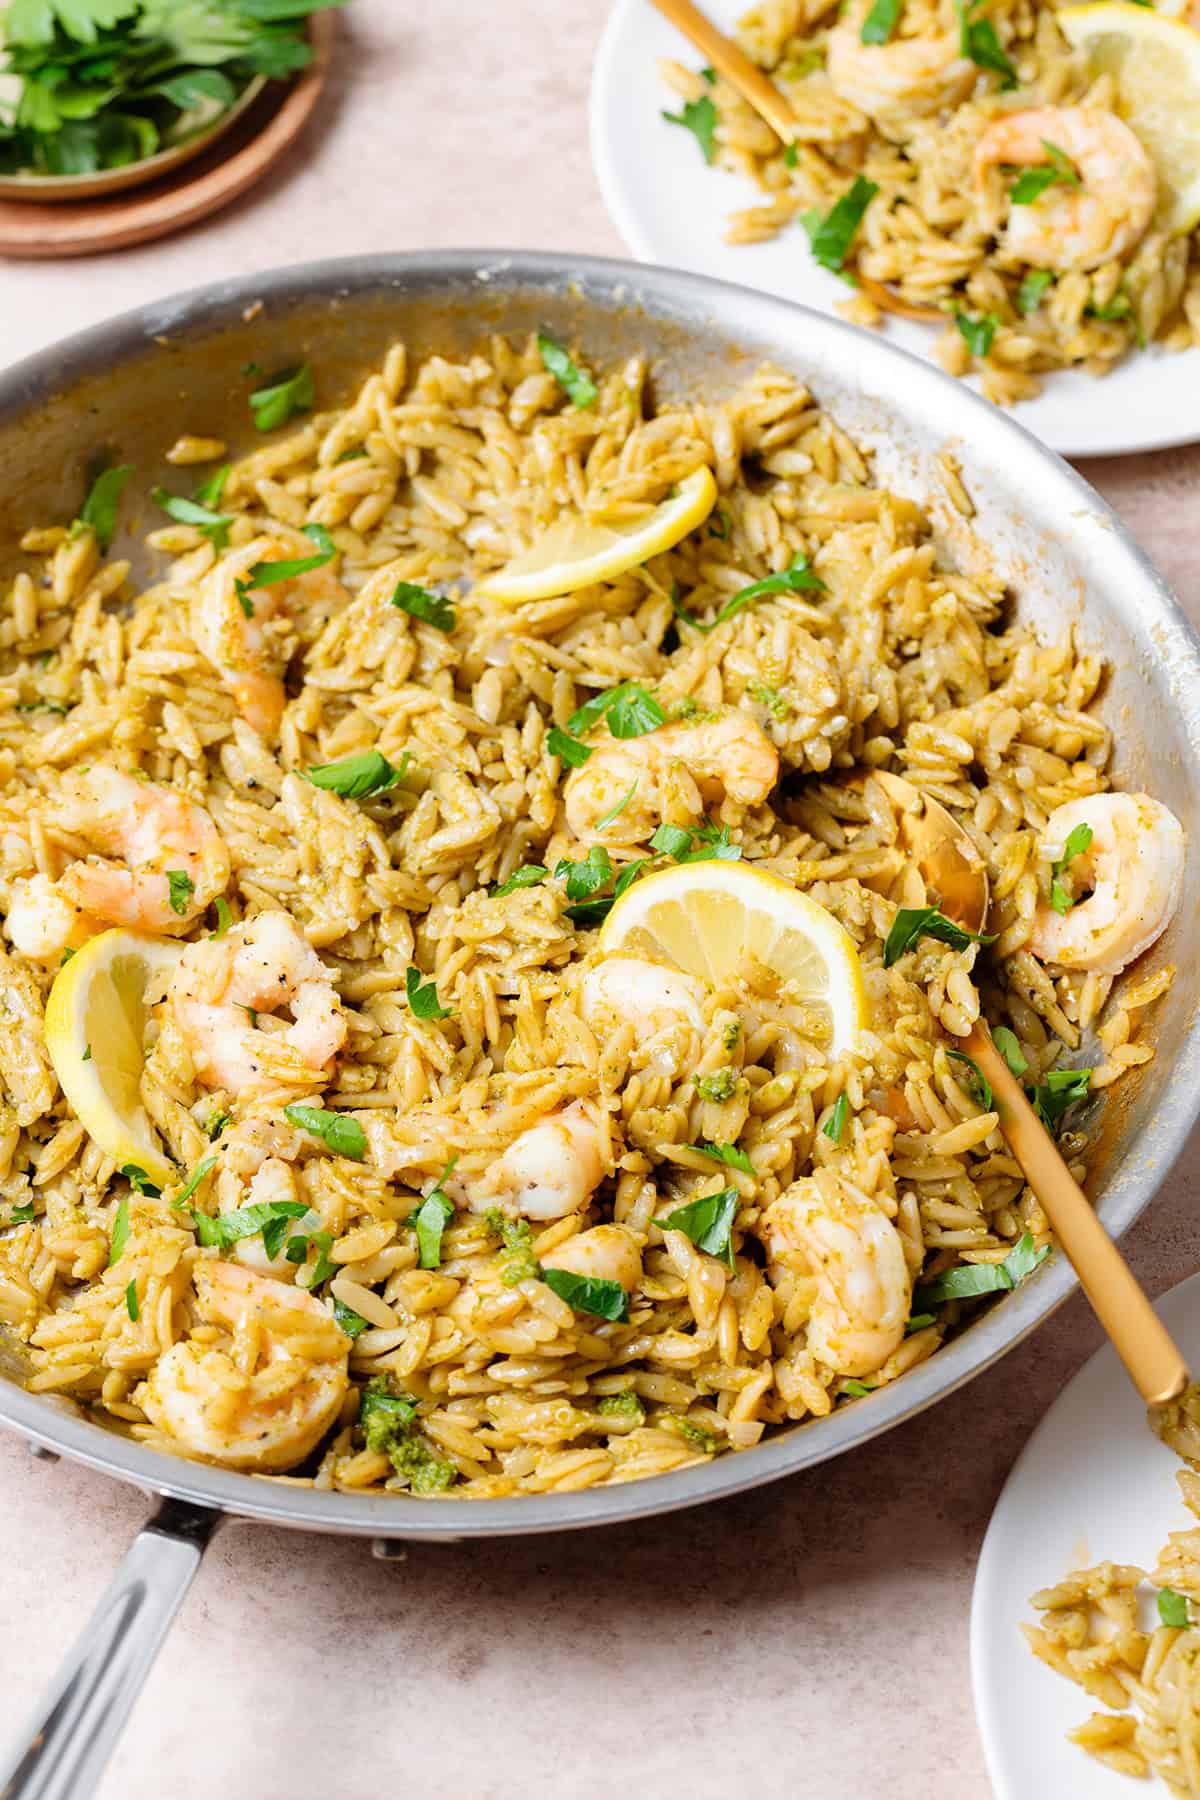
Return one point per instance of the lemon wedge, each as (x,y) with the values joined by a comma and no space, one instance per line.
(95,1027)
(709,918)
(574,553)
(1155,61)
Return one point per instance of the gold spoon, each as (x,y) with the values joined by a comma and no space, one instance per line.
(762,94)
(956,880)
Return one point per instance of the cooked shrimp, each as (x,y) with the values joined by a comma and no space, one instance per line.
(265,1397)
(1073,226)
(255,1156)
(731,755)
(255,969)
(647,995)
(548,1171)
(907,78)
(243,633)
(856,1257)
(1133,869)
(175,863)
(605,1253)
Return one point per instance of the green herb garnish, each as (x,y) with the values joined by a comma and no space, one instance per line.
(430,1220)
(979,43)
(1056,1091)
(291,394)
(204,1167)
(977,334)
(1007,1044)
(338,1131)
(529,875)
(913,922)
(120,1231)
(215,526)
(345,1317)
(1057,171)
(1173,1609)
(973,1279)
(419,603)
(708,1222)
(1033,286)
(881,21)
(1078,840)
(830,234)
(131,1300)
(700,118)
(615,812)
(856,1389)
(224,917)
(180,888)
(836,1122)
(139,1181)
(586,1294)
(574,381)
(268,574)
(568,749)
(625,1405)
(210,493)
(728,1154)
(422,997)
(99,510)
(268,1219)
(355,777)
(718,1085)
(977,1084)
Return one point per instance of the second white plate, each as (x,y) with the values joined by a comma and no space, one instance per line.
(671,208)
(1091,1485)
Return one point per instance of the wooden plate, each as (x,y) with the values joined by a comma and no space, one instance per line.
(81,228)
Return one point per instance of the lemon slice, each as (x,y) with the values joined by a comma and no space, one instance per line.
(1155,62)
(709,918)
(573,553)
(95,1027)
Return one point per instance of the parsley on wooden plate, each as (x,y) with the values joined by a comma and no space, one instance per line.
(337,1131)
(356,777)
(575,382)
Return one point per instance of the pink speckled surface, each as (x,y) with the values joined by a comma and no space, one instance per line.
(810,1639)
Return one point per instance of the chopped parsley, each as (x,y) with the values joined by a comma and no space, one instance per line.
(791,154)
(587,1294)
(586,876)
(99,510)
(913,922)
(338,1131)
(1173,1609)
(1119,307)
(355,777)
(268,574)
(268,1219)
(214,526)
(203,1168)
(728,1154)
(1033,286)
(695,843)
(22,1215)
(87,1053)
(718,1085)
(614,812)
(529,875)
(120,1232)
(216,1125)
(973,1279)
(881,21)
(835,1124)
(140,1182)
(977,1084)
(700,118)
(1078,840)
(977,333)
(312,1274)
(856,1389)
(575,382)
(224,917)
(180,888)
(131,1300)
(918,1322)
(798,577)
(1057,171)
(1010,1049)
(979,44)
(422,997)
(1056,1091)
(388,1423)
(569,750)
(345,1317)
(285,397)
(629,710)
(708,1222)
(430,1220)
(830,234)
(419,603)
(210,493)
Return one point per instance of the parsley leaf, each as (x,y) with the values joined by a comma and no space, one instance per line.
(1173,1609)
(830,234)
(1078,840)
(615,812)
(708,1222)
(1033,286)
(529,875)
(345,1317)
(855,1388)
(796,578)
(180,888)
(700,118)
(979,43)
(131,1299)
(268,1219)
(290,394)
(210,493)
(22,1215)
(224,917)
(973,1279)
(1058,1090)
(574,381)
(204,1167)
(139,1181)
(977,1084)
(215,526)
(423,999)
(1010,1049)
(977,334)
(355,777)
(430,1220)
(568,749)
(321,1268)
(120,1232)
(587,1294)
(671,840)
(835,1124)
(913,922)
(419,603)
(1119,307)
(634,712)
(99,510)
(269,573)
(729,1154)
(881,21)
(587,876)
(338,1131)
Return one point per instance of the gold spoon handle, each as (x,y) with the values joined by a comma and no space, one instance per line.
(730,62)
(1139,1336)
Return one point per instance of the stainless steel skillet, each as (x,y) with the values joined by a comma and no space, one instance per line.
(131,385)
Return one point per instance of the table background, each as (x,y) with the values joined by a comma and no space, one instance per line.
(808,1639)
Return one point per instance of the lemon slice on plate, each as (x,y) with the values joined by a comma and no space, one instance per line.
(95,1029)
(574,553)
(710,917)
(1155,62)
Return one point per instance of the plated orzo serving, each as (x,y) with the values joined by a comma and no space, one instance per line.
(461,1033)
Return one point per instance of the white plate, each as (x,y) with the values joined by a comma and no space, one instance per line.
(1091,1485)
(671,208)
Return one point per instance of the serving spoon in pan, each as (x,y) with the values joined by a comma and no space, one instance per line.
(956,882)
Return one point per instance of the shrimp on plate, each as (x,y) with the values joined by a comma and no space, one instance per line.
(160,861)
(549,1170)
(241,629)
(730,755)
(605,1253)
(1074,223)
(226,993)
(856,1257)
(262,1398)
(1130,881)
(906,78)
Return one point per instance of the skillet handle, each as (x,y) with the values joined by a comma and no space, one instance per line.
(73,1731)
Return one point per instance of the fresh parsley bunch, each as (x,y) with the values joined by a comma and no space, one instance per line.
(108,82)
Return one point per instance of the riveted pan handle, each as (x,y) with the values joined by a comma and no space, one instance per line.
(71,1735)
